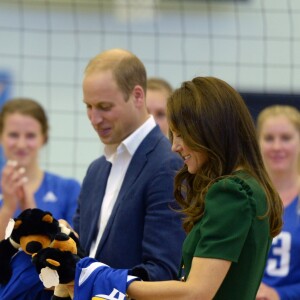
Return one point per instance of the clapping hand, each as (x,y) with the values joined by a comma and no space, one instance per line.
(14,189)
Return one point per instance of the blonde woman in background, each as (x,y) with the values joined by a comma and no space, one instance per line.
(279,137)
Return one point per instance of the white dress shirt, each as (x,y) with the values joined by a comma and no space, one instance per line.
(119,156)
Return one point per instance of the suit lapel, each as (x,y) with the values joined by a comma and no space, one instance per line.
(135,167)
(95,206)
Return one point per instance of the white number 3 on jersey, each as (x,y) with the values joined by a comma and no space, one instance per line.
(280,264)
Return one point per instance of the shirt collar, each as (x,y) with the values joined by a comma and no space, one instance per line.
(131,143)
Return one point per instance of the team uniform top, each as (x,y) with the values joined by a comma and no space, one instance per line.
(283,265)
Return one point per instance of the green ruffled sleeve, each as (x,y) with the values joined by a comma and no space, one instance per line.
(229,212)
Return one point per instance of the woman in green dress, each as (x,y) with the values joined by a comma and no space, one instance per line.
(231,209)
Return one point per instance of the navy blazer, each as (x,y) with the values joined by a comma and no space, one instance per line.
(143,232)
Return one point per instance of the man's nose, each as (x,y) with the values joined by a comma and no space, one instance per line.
(95,116)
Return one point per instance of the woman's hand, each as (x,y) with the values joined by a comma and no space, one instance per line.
(265,292)
(12,183)
(27,201)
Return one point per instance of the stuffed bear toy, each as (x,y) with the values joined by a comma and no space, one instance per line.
(79,278)
(33,230)
(56,265)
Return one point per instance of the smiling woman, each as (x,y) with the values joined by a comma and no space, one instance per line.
(278,128)
(22,138)
(231,210)
(23,133)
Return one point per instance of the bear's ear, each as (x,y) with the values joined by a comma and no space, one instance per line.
(52,262)
(17,224)
(47,218)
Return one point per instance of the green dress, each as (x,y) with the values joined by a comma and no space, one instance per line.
(231,230)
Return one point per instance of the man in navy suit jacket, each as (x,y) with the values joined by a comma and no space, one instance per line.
(124,216)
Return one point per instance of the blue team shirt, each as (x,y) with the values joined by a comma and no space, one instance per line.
(57,195)
(95,280)
(283,265)
(25,283)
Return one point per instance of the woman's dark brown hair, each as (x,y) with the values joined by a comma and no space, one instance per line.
(212,117)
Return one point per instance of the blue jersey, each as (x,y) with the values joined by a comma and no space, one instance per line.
(95,280)
(283,265)
(25,283)
(57,195)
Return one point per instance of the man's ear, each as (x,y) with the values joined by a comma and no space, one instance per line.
(138,96)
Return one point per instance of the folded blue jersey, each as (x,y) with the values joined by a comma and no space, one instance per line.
(25,283)
(95,280)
